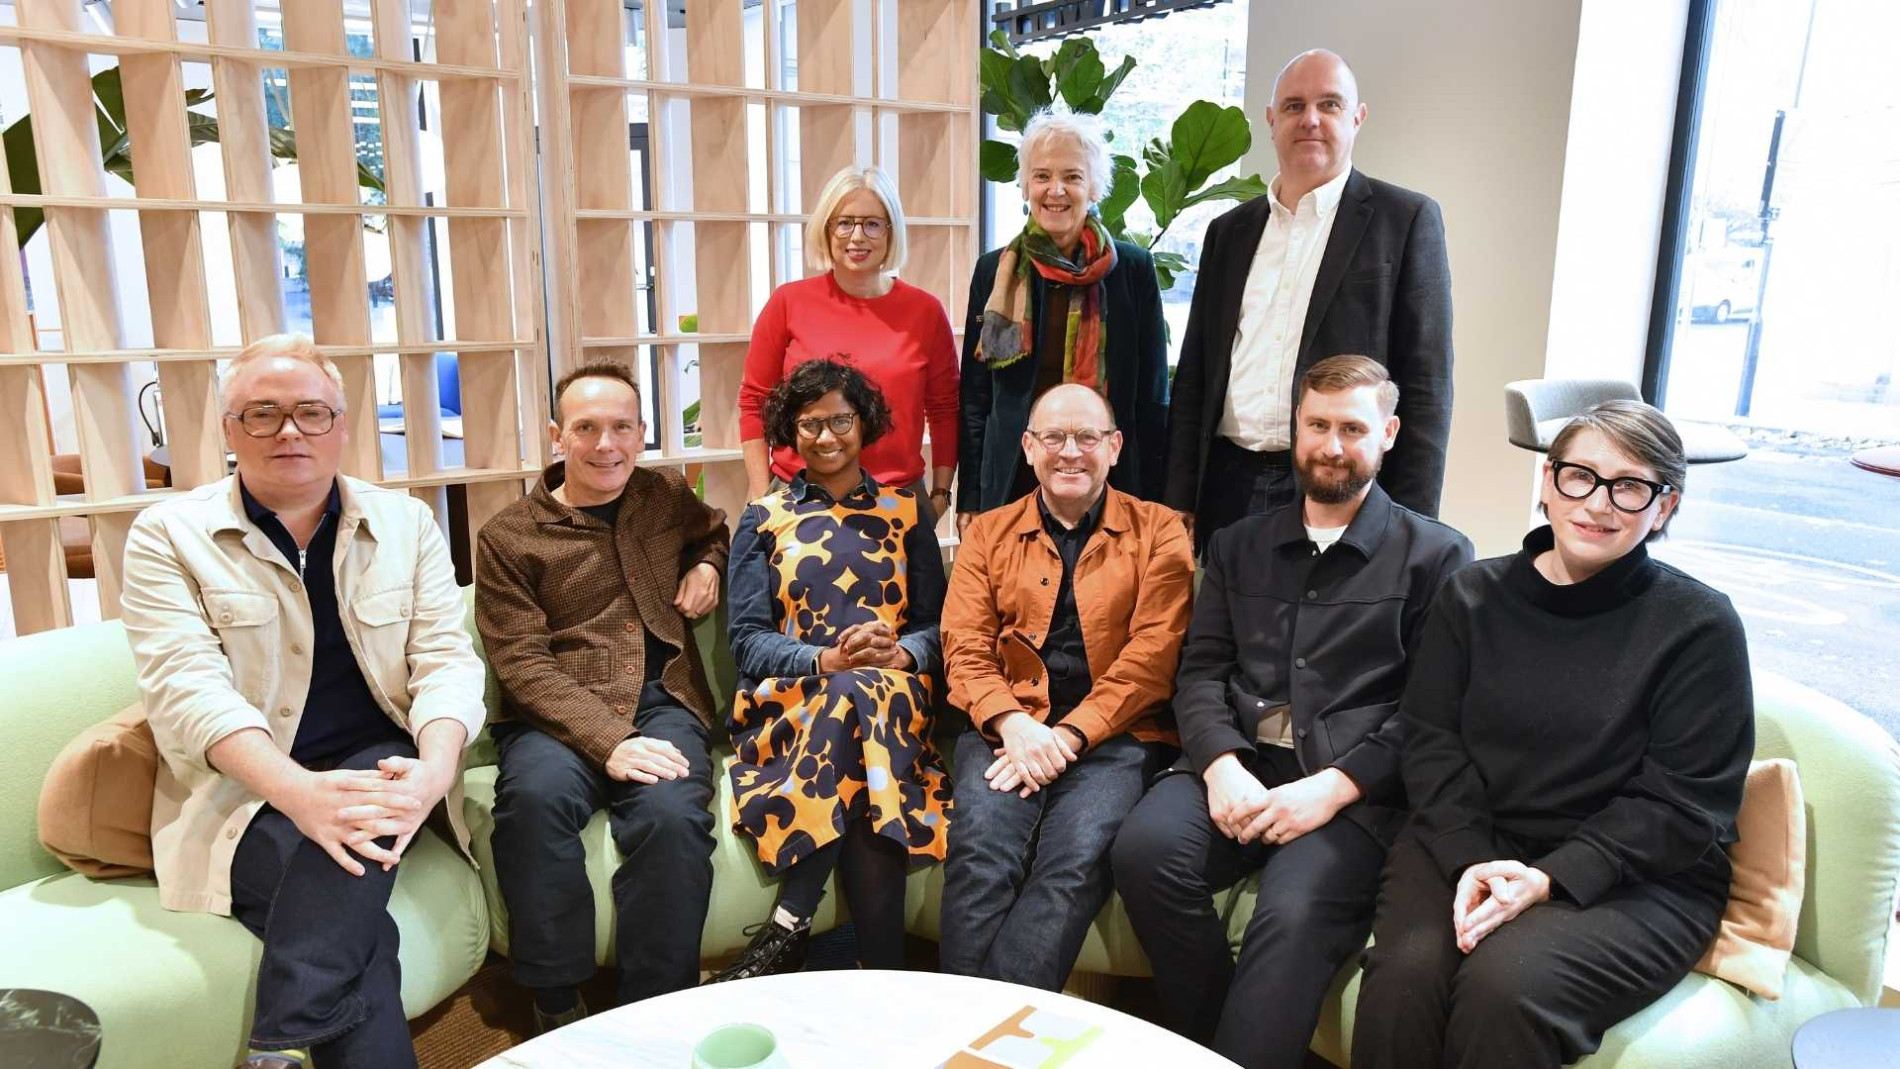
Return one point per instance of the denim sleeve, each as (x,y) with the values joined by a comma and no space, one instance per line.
(759,649)
(924,566)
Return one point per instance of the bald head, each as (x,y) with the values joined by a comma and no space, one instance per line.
(1073,471)
(1073,401)
(1315,118)
(1324,60)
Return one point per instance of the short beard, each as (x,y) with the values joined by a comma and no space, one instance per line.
(1337,490)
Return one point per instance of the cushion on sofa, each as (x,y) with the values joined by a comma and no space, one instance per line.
(95,811)
(1764,898)
(175,990)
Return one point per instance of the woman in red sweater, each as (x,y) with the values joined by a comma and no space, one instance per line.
(859,311)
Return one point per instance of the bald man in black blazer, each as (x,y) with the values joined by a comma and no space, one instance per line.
(1356,265)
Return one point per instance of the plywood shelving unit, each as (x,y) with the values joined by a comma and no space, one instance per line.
(890,82)
(491,221)
(745,120)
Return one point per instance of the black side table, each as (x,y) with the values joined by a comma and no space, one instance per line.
(1848,1039)
(46,1030)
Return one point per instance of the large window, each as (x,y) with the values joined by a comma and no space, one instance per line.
(1786,273)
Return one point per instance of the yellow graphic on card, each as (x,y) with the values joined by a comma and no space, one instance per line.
(1028,1039)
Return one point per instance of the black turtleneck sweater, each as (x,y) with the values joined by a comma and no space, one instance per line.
(1599,731)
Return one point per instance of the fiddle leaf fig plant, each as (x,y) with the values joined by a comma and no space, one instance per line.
(115,144)
(1170,175)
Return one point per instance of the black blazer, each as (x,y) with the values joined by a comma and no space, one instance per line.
(1332,635)
(996,403)
(1383,291)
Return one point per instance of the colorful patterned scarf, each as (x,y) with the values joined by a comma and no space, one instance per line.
(1009,335)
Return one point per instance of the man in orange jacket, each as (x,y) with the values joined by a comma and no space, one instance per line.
(1061,632)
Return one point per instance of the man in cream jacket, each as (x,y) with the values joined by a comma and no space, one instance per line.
(302,659)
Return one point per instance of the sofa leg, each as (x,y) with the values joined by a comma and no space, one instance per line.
(1094,987)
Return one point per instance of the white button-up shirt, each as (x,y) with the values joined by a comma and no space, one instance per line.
(1258,412)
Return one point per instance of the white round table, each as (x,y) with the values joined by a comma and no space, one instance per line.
(900,1020)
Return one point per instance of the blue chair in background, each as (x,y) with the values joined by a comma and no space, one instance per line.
(448,383)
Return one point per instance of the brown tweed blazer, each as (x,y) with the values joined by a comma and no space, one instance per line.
(563,602)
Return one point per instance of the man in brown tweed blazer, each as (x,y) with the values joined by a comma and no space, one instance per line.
(583,594)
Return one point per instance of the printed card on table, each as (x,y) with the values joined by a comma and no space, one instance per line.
(1029,1039)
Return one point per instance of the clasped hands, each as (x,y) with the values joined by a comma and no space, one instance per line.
(871,644)
(1491,893)
(1245,810)
(346,810)
(1033,754)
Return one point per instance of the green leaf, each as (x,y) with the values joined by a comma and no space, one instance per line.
(109,93)
(1079,85)
(1122,192)
(993,71)
(1001,42)
(996,102)
(691,415)
(1168,265)
(997,160)
(1164,188)
(1112,82)
(1206,138)
(1228,189)
(24,170)
(1173,261)
(1028,86)
(1071,52)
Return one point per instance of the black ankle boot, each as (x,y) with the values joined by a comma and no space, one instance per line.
(774,949)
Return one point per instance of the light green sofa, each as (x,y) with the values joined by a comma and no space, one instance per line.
(173,991)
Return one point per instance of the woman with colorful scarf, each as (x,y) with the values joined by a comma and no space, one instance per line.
(1063,302)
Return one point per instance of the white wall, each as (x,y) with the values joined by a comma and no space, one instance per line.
(1470,102)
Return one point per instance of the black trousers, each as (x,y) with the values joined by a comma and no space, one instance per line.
(1312,914)
(1025,877)
(1539,991)
(329,979)
(544,797)
(1239,482)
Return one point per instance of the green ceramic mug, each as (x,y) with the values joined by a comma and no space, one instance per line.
(738,1046)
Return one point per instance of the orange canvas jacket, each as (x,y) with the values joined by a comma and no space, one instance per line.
(1133,592)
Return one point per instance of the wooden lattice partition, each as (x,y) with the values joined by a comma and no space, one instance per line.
(877,81)
(699,219)
(491,221)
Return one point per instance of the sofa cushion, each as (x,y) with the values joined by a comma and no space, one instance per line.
(1764,897)
(95,810)
(174,990)
(1701,1023)
(58,683)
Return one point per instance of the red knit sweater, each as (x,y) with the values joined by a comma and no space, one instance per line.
(902,343)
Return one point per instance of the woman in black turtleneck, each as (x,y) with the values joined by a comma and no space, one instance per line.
(1579,723)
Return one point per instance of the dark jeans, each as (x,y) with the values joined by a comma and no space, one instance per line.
(1313,912)
(329,979)
(1238,483)
(544,797)
(1539,991)
(1025,877)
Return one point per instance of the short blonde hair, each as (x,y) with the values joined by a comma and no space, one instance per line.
(295,346)
(1085,130)
(842,185)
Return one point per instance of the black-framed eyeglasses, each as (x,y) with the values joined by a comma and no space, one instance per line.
(872,226)
(813,426)
(265,421)
(1087,439)
(1627,493)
